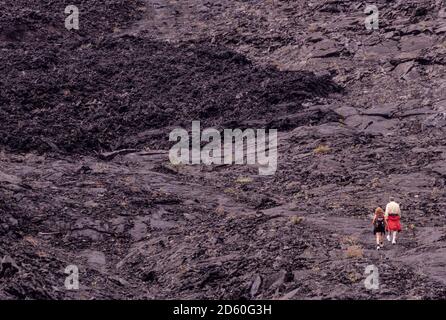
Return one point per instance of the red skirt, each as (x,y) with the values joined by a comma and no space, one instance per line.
(393,223)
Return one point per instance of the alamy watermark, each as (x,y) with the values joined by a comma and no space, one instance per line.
(72,21)
(372,20)
(372,280)
(261,148)
(72,280)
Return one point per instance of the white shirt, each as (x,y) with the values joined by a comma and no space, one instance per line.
(392,208)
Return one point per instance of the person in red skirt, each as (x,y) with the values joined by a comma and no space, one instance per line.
(393,217)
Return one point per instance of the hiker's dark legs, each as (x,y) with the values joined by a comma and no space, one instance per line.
(379,240)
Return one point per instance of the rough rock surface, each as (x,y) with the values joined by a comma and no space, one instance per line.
(85,178)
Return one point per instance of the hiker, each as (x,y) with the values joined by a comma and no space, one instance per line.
(379,227)
(393,216)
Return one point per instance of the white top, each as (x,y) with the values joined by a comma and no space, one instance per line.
(392,208)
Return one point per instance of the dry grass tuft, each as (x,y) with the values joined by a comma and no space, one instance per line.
(353,277)
(355,252)
(321,149)
(244,180)
(220,210)
(296,219)
(349,240)
(230,191)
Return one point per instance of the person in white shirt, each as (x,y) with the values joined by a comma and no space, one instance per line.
(393,216)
